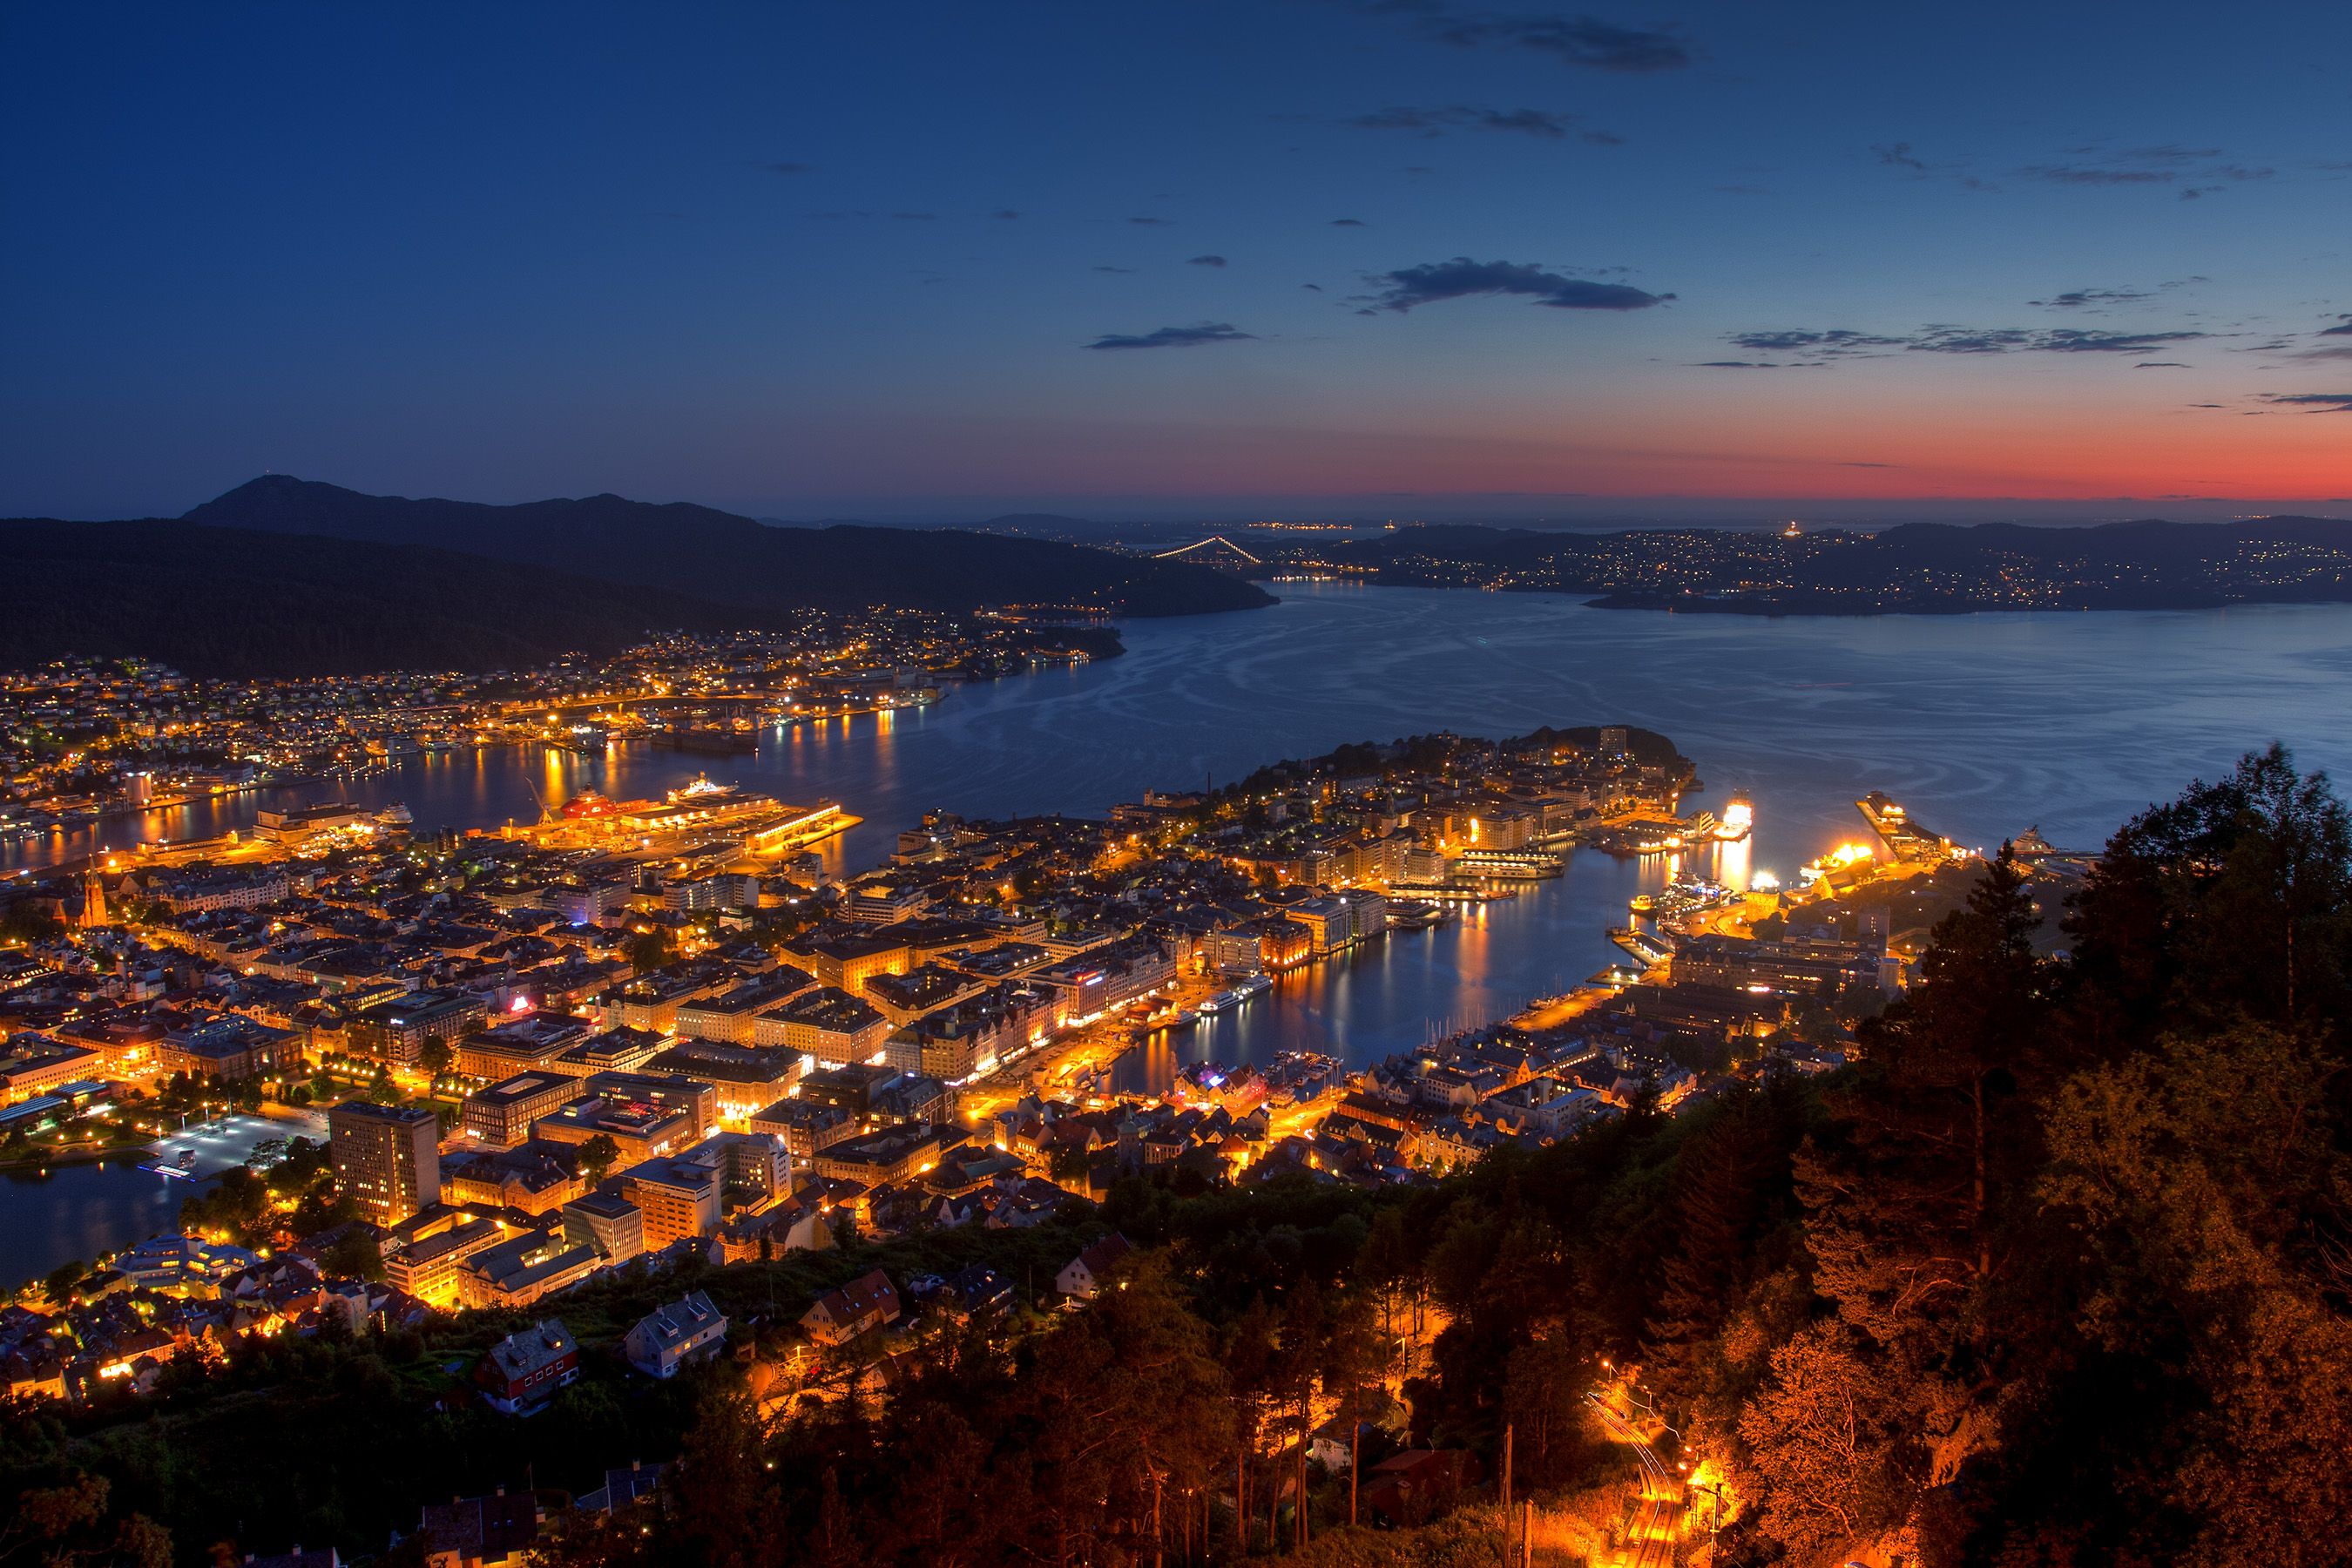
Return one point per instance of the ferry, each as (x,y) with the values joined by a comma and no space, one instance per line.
(1642,903)
(1414,914)
(183,1165)
(1234,997)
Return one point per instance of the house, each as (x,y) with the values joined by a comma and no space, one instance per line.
(678,1334)
(866,1304)
(1408,1488)
(1084,1275)
(495,1531)
(979,1292)
(522,1373)
(622,1488)
(316,1557)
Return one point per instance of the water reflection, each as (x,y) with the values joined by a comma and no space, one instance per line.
(1982,724)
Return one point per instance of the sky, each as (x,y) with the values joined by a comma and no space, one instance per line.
(1402,259)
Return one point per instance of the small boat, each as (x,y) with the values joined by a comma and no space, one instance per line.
(1642,903)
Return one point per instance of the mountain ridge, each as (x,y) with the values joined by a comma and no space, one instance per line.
(717,556)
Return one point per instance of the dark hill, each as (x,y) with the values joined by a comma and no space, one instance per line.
(242,603)
(716,555)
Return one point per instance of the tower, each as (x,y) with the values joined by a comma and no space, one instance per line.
(93,903)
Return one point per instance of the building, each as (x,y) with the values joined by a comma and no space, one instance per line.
(1106,977)
(387,1157)
(644,1116)
(679,1198)
(228,1048)
(743,1079)
(531,1043)
(427,1267)
(32,1065)
(846,959)
(1084,1275)
(396,1031)
(830,1024)
(682,1332)
(866,1304)
(503,1114)
(608,1222)
(888,1154)
(518,1272)
(728,1017)
(523,1371)
(805,1126)
(496,1531)
(884,901)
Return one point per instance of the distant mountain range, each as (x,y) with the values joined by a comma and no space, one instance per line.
(734,559)
(1915,568)
(284,575)
(238,602)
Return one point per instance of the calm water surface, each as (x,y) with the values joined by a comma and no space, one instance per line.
(1982,724)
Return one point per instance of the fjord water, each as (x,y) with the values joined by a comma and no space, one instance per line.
(1983,725)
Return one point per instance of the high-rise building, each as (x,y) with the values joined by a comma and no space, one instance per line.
(387,1157)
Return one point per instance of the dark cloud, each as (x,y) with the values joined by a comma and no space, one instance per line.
(2166,164)
(2060,339)
(2343,329)
(2309,402)
(2074,298)
(1005,213)
(1175,337)
(1572,40)
(790,168)
(1349,223)
(2333,350)
(1866,465)
(1206,261)
(1835,342)
(2068,176)
(1752,365)
(1150,222)
(2160,364)
(1110,269)
(1317,287)
(1462,279)
(1538,123)
(1843,344)
(1899,154)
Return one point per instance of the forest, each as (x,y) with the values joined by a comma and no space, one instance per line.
(2056,1271)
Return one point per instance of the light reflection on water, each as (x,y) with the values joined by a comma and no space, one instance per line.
(1982,724)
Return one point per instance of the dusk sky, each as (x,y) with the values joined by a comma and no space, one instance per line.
(1202,260)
